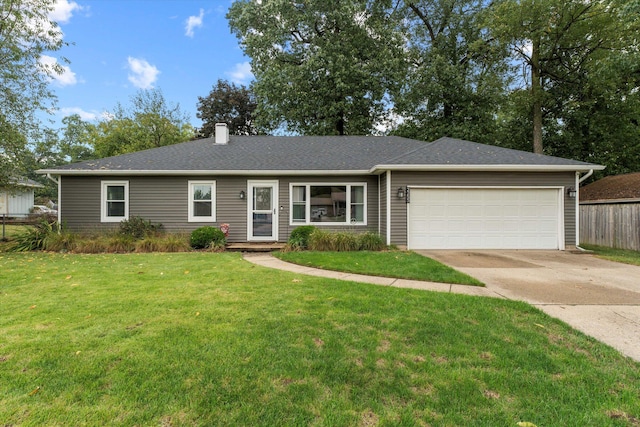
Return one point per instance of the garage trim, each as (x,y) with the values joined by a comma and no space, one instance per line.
(560,196)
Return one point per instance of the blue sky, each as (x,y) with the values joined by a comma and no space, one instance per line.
(122,46)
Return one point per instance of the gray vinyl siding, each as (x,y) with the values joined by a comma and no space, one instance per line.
(506,179)
(159,199)
(164,200)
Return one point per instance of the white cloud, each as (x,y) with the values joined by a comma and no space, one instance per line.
(66,78)
(142,74)
(193,22)
(241,73)
(84,115)
(63,11)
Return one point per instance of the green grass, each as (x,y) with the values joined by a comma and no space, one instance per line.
(209,339)
(11,230)
(398,264)
(625,256)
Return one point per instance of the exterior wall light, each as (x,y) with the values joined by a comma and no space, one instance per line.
(400,193)
(571,192)
(242,194)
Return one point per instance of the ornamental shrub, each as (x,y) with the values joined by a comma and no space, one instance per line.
(299,237)
(138,227)
(320,240)
(207,238)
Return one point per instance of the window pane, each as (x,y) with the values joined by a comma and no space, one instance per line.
(328,204)
(299,212)
(202,192)
(262,198)
(357,213)
(357,194)
(262,224)
(115,192)
(115,209)
(201,208)
(299,194)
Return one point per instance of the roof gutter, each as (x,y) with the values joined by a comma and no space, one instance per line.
(488,168)
(111,172)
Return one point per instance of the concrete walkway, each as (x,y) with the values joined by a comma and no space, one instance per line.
(268,260)
(597,297)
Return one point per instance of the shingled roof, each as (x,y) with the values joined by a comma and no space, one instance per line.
(318,154)
(615,187)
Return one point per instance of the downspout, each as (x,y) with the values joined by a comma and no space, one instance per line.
(57,182)
(379,205)
(587,175)
(388,218)
(578,182)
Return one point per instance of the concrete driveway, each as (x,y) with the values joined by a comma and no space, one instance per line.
(600,298)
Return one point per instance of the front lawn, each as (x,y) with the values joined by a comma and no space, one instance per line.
(398,264)
(209,339)
(625,256)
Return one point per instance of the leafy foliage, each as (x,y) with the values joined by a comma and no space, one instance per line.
(149,122)
(320,240)
(207,237)
(138,227)
(558,43)
(26,34)
(321,66)
(230,104)
(299,237)
(34,238)
(454,71)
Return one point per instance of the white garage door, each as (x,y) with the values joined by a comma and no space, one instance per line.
(487,218)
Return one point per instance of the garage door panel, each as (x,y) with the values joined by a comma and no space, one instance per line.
(513,218)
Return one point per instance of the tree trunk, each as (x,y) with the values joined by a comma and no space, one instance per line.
(340,124)
(536,94)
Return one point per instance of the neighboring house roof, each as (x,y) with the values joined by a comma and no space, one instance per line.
(615,187)
(318,154)
(25,182)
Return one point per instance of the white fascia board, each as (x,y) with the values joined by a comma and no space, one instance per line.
(112,172)
(489,168)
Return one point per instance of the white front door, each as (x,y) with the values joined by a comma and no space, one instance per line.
(262,222)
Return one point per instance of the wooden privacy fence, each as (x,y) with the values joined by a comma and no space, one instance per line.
(615,224)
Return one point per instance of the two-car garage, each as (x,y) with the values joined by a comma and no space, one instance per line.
(485,218)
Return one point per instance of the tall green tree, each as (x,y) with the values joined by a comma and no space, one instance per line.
(26,32)
(228,103)
(455,79)
(149,122)
(74,144)
(556,43)
(321,66)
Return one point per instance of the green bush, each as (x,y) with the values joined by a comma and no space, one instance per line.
(344,241)
(34,238)
(207,238)
(62,241)
(299,237)
(371,242)
(138,227)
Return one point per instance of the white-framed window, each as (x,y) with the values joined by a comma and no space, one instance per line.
(202,201)
(114,201)
(328,203)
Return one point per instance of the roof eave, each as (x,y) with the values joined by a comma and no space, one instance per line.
(119,172)
(487,168)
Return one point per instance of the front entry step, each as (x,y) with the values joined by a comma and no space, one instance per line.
(255,247)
